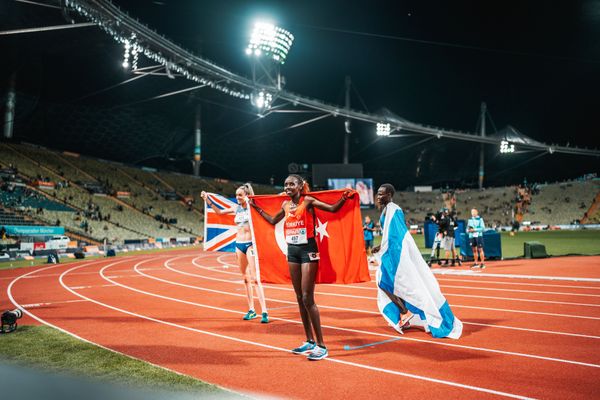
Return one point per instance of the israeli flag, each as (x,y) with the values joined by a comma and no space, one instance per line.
(403,272)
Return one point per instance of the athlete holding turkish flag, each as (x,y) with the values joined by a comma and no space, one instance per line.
(303,255)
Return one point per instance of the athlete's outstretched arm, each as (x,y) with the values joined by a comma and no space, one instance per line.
(217,210)
(330,207)
(273,220)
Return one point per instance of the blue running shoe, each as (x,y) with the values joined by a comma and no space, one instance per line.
(250,315)
(318,353)
(265,318)
(306,348)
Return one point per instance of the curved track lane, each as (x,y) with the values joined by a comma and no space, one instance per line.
(183,311)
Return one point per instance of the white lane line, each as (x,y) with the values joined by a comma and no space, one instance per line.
(258,344)
(90,286)
(44,322)
(479,288)
(520,291)
(526,312)
(514,276)
(89,262)
(282,307)
(370,298)
(24,307)
(376,313)
(440,279)
(37,305)
(441,343)
(463,295)
(567,303)
(562,303)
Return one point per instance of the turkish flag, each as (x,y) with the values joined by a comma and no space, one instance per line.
(339,237)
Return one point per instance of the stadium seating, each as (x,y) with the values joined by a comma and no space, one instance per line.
(555,204)
(563,203)
(19,198)
(12,218)
(87,201)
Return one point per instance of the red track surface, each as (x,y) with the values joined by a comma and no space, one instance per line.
(523,337)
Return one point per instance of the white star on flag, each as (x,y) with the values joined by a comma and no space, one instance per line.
(322,229)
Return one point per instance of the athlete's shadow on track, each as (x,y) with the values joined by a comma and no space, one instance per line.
(372,345)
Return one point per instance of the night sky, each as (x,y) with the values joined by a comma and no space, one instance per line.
(535,63)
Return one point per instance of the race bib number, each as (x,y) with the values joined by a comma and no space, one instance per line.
(296,236)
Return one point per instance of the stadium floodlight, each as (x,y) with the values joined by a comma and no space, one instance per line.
(506,147)
(127,46)
(132,50)
(262,100)
(383,129)
(271,41)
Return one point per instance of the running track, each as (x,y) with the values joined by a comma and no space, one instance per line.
(524,337)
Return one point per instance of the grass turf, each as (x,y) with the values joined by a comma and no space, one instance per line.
(558,243)
(51,350)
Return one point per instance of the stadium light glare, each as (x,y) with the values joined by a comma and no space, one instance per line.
(383,129)
(506,147)
(271,40)
(126,54)
(262,100)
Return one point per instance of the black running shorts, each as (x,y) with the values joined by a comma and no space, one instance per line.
(477,242)
(303,253)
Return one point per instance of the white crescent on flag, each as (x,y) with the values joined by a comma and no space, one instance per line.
(280,237)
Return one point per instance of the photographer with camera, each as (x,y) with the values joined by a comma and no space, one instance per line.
(448,225)
(437,241)
(8,320)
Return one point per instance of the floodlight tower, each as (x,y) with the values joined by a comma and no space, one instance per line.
(197,141)
(267,49)
(481,148)
(9,115)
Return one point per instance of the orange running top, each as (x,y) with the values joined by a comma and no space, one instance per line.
(299,223)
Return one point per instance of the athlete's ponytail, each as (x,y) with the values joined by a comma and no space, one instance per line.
(301,182)
(305,188)
(247,188)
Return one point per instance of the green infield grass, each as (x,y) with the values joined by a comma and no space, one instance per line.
(50,350)
(558,243)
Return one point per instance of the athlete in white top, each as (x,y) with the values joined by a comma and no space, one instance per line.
(244,250)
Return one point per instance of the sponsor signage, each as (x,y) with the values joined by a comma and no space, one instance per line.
(25,230)
(45,185)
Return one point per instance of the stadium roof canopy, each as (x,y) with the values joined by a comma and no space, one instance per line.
(140,119)
(512,135)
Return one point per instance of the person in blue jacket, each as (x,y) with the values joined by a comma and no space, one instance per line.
(368,229)
(475,228)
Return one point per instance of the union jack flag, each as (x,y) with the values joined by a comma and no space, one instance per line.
(219,230)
